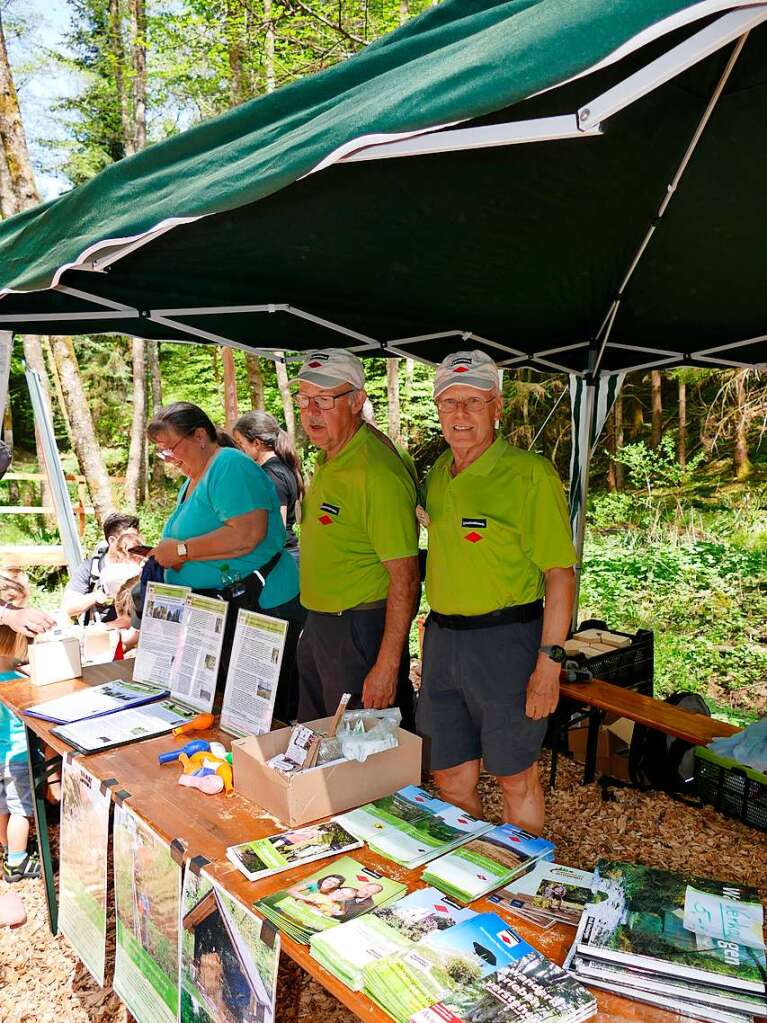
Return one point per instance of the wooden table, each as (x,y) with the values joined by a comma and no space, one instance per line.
(207,825)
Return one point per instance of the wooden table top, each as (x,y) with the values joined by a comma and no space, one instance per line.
(208,824)
(695,728)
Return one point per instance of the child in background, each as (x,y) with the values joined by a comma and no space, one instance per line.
(15,792)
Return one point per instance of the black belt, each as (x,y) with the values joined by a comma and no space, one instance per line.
(503,616)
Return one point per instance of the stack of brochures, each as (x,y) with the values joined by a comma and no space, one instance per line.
(341,891)
(266,856)
(549,894)
(687,944)
(345,951)
(487,862)
(480,970)
(411,827)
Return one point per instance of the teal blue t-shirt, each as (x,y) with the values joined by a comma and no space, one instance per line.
(13,740)
(232,485)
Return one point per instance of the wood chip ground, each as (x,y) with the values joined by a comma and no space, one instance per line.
(41,979)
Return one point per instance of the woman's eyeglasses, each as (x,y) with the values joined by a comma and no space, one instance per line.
(165,454)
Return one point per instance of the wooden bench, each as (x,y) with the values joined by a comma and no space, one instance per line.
(604,698)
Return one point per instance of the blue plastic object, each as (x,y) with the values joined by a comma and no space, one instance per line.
(195,746)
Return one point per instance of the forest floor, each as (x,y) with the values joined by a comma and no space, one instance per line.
(42,981)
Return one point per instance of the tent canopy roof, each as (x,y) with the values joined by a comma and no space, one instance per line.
(281,226)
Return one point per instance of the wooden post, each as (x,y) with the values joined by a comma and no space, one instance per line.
(230,388)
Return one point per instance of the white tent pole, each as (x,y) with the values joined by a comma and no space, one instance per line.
(582,465)
(6,347)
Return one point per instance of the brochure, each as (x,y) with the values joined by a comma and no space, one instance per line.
(411,827)
(96,701)
(126,726)
(550,891)
(591,970)
(229,957)
(636,918)
(195,667)
(678,1006)
(254,671)
(160,632)
(487,862)
(531,990)
(266,856)
(83,840)
(345,951)
(339,892)
(147,902)
(448,964)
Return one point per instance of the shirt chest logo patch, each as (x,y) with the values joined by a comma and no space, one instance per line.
(329,510)
(473,524)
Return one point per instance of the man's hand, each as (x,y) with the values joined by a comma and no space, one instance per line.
(380,687)
(27,621)
(543,688)
(166,554)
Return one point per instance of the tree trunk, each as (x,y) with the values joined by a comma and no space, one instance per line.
(230,387)
(138,422)
(7,198)
(137,10)
(742,461)
(618,414)
(46,344)
(656,429)
(392,398)
(255,382)
(287,398)
(682,442)
(611,485)
(238,85)
(404,11)
(269,47)
(155,383)
(117,48)
(83,432)
(12,138)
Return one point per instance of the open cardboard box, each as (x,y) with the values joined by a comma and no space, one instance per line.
(612,748)
(321,791)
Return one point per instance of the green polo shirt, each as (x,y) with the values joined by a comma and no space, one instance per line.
(358,511)
(495,529)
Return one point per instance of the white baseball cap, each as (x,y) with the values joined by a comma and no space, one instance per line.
(472,369)
(332,366)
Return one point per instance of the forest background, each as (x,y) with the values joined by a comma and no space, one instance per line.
(677,515)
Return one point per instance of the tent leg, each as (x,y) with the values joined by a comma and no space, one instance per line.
(585,419)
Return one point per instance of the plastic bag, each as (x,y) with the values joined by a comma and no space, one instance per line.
(363,732)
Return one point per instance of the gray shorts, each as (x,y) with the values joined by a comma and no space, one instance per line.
(15,790)
(473,693)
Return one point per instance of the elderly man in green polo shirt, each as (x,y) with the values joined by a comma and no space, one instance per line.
(499,541)
(359,545)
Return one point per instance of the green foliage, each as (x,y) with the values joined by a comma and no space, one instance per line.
(657,468)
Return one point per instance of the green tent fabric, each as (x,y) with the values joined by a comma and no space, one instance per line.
(520,249)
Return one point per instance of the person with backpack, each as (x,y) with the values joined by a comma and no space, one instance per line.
(91,588)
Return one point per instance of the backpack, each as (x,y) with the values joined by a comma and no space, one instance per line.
(659,761)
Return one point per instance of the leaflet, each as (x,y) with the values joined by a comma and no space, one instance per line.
(195,666)
(160,633)
(254,671)
(95,734)
(96,701)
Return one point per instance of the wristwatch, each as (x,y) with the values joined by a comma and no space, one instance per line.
(182,550)
(558,654)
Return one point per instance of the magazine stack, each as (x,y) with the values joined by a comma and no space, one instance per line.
(686,944)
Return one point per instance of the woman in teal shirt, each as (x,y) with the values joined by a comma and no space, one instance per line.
(226,533)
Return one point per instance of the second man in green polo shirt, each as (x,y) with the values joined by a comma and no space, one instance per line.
(499,541)
(359,565)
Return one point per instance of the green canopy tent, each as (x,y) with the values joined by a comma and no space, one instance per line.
(572,185)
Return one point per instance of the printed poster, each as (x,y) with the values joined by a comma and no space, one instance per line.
(84,836)
(147,899)
(229,958)
(254,671)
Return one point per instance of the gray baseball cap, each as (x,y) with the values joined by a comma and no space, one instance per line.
(472,369)
(329,367)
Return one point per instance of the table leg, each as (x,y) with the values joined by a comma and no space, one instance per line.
(592,743)
(38,777)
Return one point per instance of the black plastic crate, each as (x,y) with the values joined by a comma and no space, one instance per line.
(733,789)
(631,667)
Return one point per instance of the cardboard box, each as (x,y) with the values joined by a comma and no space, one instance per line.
(54,660)
(612,748)
(308,796)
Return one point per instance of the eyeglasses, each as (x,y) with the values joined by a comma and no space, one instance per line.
(324,402)
(470,405)
(165,454)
